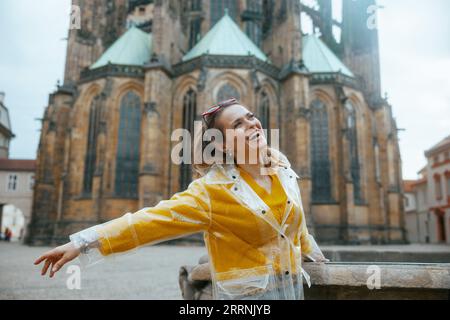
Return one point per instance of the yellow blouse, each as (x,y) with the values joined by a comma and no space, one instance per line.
(276,200)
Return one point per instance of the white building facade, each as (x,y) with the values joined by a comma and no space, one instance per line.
(427,200)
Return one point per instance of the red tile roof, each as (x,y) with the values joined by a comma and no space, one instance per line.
(17,165)
(443,144)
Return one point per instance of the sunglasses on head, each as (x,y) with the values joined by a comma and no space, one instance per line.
(215,108)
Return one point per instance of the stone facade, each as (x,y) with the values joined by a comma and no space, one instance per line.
(428,218)
(345,281)
(6,134)
(62,205)
(16,195)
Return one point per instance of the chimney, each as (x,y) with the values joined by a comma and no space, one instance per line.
(2,97)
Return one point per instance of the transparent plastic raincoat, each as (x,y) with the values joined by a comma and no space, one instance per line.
(252,255)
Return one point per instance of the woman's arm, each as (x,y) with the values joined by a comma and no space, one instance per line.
(185,213)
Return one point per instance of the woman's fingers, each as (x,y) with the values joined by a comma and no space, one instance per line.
(58,265)
(55,259)
(51,270)
(45,268)
(41,258)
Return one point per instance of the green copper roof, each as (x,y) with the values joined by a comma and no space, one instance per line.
(319,58)
(225,38)
(134,48)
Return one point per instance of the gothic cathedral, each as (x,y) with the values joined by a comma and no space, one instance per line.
(138,69)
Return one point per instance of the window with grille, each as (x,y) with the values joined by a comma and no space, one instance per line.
(127,157)
(320,158)
(195,32)
(189,116)
(218,9)
(353,151)
(12,182)
(91,149)
(253,26)
(438,186)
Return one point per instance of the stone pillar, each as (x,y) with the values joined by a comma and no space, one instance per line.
(150,170)
(285,21)
(344,186)
(155,144)
(295,134)
(50,168)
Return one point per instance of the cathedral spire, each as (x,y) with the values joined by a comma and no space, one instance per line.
(360,42)
(284,40)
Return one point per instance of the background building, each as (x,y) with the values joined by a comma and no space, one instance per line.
(428,198)
(16,182)
(416,211)
(137,70)
(5,128)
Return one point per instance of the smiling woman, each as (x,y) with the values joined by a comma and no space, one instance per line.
(255,233)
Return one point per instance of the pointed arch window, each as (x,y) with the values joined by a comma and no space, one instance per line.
(352,137)
(189,116)
(227,91)
(320,153)
(91,148)
(127,157)
(218,9)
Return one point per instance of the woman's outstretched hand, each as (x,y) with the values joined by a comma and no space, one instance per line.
(57,257)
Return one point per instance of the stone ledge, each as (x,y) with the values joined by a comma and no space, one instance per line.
(389,253)
(339,280)
(392,275)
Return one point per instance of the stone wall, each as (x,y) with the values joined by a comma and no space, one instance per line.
(345,281)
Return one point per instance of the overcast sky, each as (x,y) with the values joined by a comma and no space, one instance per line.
(415,67)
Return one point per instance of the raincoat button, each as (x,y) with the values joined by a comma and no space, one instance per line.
(289,201)
(234,177)
(290,177)
(287,272)
(263,211)
(282,236)
(235,189)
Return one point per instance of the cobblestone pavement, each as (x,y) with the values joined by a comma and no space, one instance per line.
(149,273)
